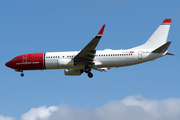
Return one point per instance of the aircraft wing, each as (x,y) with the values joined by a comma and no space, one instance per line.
(87,54)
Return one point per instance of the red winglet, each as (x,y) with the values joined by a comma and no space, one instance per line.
(167,21)
(102,29)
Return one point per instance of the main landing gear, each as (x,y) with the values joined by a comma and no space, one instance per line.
(88,71)
(90,75)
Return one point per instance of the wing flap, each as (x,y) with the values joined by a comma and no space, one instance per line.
(102,69)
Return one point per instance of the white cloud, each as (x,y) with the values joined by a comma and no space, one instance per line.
(6,118)
(130,108)
(38,113)
(136,107)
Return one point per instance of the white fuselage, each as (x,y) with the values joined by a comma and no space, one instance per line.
(103,58)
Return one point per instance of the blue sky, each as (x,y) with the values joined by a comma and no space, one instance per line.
(48,26)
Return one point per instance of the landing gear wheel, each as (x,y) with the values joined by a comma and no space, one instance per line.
(22,74)
(90,75)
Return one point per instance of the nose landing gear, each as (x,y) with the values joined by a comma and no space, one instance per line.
(20,70)
(22,74)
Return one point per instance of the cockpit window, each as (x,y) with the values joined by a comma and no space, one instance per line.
(14,58)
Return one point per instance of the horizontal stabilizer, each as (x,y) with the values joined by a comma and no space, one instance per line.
(162,48)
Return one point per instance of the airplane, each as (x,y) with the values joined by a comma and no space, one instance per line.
(77,62)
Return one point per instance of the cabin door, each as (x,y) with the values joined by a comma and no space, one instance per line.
(24,58)
(140,54)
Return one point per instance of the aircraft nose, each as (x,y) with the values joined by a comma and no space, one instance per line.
(8,64)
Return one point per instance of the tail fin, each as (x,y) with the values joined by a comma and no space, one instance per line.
(158,38)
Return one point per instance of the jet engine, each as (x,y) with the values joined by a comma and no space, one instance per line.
(65,62)
(71,72)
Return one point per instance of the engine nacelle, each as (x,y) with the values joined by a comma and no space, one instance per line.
(65,62)
(71,72)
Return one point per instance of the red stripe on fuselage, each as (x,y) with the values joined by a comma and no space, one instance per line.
(34,61)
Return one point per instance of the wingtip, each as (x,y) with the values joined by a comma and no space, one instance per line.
(167,21)
(102,30)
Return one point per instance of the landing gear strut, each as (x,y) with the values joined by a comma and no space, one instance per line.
(87,70)
(22,74)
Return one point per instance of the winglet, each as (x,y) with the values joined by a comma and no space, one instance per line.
(167,21)
(101,31)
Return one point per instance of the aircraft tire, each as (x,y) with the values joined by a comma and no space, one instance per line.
(90,75)
(22,74)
